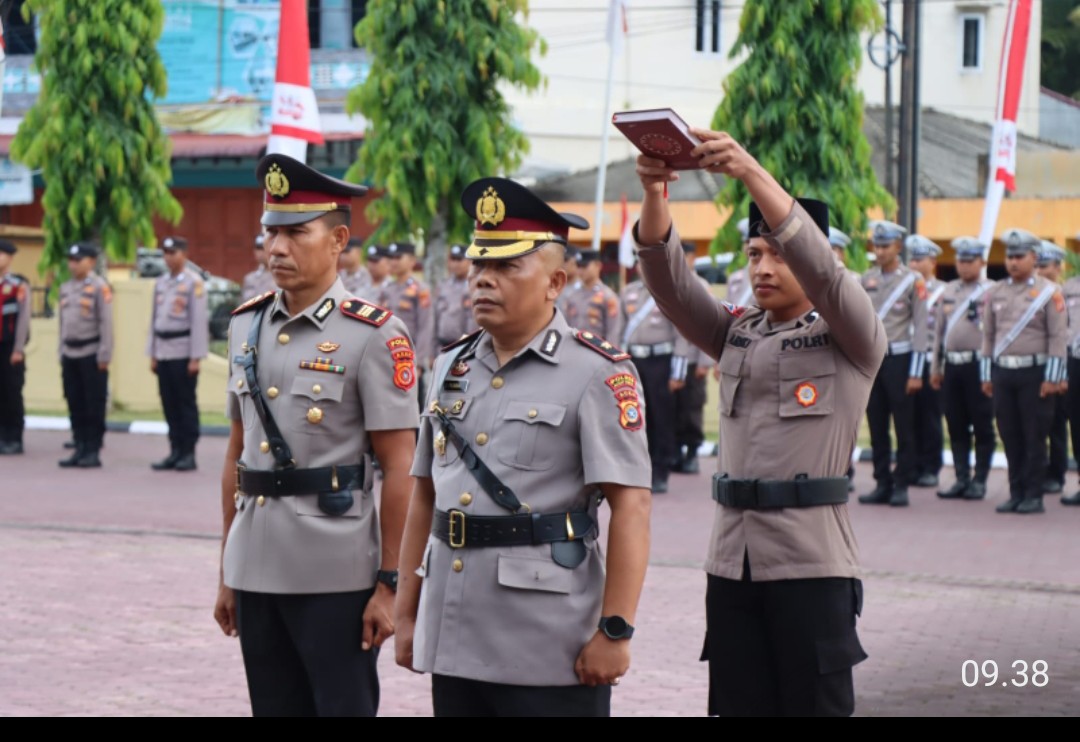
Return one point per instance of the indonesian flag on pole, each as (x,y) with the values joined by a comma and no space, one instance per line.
(1003,143)
(617,26)
(626,238)
(294,113)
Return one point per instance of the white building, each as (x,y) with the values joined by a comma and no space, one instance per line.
(676,55)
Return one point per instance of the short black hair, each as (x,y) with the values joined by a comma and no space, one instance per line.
(338,218)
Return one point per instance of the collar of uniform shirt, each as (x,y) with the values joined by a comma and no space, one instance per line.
(485,349)
(1029,282)
(336,292)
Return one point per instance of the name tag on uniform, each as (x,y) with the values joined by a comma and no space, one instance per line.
(456,385)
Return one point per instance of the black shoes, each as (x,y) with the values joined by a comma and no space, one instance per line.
(687,465)
(927,480)
(1030,505)
(72,460)
(1073,499)
(899,498)
(11,448)
(166,463)
(975,491)
(882,495)
(89,460)
(1052,487)
(1009,506)
(659,483)
(955,492)
(185,462)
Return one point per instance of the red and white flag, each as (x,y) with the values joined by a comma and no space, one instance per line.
(1003,142)
(626,238)
(294,112)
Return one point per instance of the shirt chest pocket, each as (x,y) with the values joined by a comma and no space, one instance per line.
(445,452)
(807,384)
(731,362)
(529,436)
(314,397)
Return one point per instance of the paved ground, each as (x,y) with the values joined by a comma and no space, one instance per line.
(109,578)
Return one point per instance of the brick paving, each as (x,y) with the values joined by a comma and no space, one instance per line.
(109,579)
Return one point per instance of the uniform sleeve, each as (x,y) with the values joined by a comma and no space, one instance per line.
(426,329)
(200,321)
(387,379)
(989,329)
(920,341)
(613,318)
(60,323)
(697,315)
(105,316)
(22,324)
(837,296)
(1057,329)
(153,318)
(611,421)
(232,399)
(937,346)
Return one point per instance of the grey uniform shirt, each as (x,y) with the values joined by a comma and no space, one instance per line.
(905,319)
(85,314)
(1072,306)
(568,291)
(257,283)
(966,299)
(553,424)
(453,311)
(180,305)
(287,545)
(15,298)
(596,309)
(358,283)
(410,300)
(791,396)
(739,290)
(644,324)
(935,289)
(1045,333)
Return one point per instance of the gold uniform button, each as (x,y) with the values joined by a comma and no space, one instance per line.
(239,383)
(261,501)
(481,438)
(272,392)
(465,498)
(283,338)
(458,565)
(533,413)
(317,389)
(497,382)
(264,447)
(314,416)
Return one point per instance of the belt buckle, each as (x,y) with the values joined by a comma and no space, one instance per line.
(457,517)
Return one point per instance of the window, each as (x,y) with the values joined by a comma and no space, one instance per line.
(19,35)
(971,43)
(331,23)
(707,26)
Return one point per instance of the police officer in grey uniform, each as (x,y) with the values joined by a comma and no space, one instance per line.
(1023,366)
(1072,395)
(409,298)
(14,334)
(739,291)
(453,307)
(378,266)
(354,275)
(529,425)
(783,575)
(955,357)
(690,400)
(660,354)
(594,306)
(178,340)
(260,280)
(319,381)
(1049,266)
(929,436)
(86,348)
(899,298)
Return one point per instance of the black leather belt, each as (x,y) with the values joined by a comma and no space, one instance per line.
(82,343)
(763,494)
(285,482)
(171,334)
(462,531)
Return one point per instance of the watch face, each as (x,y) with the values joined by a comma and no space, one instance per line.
(615,626)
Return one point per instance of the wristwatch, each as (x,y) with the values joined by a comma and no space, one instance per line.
(387,577)
(615,627)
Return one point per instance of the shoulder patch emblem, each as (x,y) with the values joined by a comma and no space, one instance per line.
(364,311)
(1059,301)
(920,289)
(401,352)
(252,303)
(601,346)
(806,394)
(624,386)
(733,310)
(106,294)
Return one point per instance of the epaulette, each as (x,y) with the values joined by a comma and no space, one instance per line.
(252,303)
(601,346)
(365,311)
(461,341)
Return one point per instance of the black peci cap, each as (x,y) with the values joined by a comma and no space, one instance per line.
(174,243)
(818,211)
(81,250)
(8,247)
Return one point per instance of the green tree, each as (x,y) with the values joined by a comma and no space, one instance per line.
(103,156)
(437,120)
(795,105)
(1061,47)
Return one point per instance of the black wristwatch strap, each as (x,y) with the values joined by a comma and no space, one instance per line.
(388,577)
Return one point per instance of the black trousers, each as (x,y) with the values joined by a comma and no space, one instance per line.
(452,696)
(655,372)
(889,399)
(302,654)
(1072,405)
(690,413)
(968,411)
(929,437)
(86,390)
(1023,420)
(177,390)
(1059,441)
(782,648)
(12,380)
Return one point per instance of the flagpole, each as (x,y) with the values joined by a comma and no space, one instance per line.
(601,175)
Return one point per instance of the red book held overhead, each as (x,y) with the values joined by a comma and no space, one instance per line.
(659,133)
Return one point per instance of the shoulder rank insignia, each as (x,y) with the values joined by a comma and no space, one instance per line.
(365,311)
(252,303)
(601,346)
(461,341)
(733,310)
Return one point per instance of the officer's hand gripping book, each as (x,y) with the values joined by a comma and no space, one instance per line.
(659,133)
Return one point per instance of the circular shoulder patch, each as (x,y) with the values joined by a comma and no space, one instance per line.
(806,394)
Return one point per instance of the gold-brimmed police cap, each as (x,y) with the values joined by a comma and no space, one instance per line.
(296,193)
(511,220)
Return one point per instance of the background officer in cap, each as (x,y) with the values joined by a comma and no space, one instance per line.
(839,242)
(353,274)
(453,307)
(955,357)
(1072,395)
(505,598)
(14,334)
(260,280)
(1049,265)
(178,340)
(899,298)
(86,347)
(573,283)
(929,436)
(320,380)
(690,399)
(739,291)
(783,589)
(409,298)
(1023,366)
(594,306)
(378,267)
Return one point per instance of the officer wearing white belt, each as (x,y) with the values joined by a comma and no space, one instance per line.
(1049,266)
(929,438)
